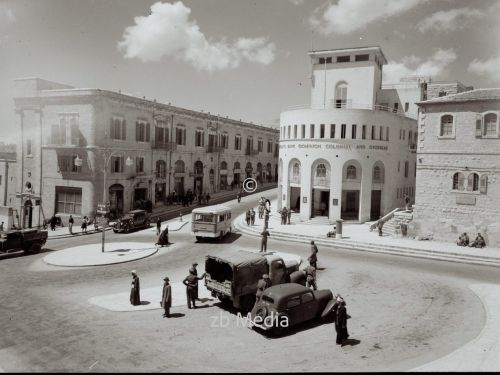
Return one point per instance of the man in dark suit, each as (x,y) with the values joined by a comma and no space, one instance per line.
(191,283)
(166,297)
(135,298)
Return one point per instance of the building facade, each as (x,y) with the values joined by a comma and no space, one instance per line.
(82,146)
(8,172)
(350,154)
(458,176)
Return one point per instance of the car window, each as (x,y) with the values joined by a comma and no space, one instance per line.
(267,299)
(293,302)
(307,297)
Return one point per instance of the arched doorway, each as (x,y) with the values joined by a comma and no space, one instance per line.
(223,175)
(198,178)
(211,177)
(259,172)
(161,185)
(269,177)
(378,176)
(236,174)
(249,170)
(115,193)
(351,188)
(179,173)
(294,185)
(320,184)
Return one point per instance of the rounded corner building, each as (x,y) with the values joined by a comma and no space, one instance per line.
(351,153)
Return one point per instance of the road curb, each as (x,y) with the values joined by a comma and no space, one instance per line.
(80,234)
(373,248)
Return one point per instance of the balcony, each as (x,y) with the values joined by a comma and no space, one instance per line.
(214,149)
(162,145)
(251,152)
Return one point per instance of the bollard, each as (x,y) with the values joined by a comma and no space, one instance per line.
(338,232)
(180,216)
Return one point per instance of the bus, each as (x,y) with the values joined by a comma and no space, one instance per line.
(211,221)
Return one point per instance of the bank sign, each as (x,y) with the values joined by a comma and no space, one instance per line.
(334,146)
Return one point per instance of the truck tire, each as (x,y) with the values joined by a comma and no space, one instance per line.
(199,238)
(34,248)
(247,302)
(221,235)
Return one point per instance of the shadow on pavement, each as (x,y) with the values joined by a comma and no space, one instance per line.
(351,342)
(177,315)
(145,302)
(299,328)
(229,238)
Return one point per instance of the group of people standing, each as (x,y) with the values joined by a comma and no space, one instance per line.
(286,215)
(250,217)
(191,283)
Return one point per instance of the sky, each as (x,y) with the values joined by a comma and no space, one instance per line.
(238,58)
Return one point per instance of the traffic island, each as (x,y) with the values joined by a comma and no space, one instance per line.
(92,255)
(150,299)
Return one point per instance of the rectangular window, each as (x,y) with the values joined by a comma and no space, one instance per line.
(68,200)
(75,168)
(180,135)
(199,140)
(387,133)
(343,59)
(269,146)
(381,133)
(322,131)
(117,164)
(373,132)
(139,164)
(260,145)
(117,129)
(321,60)
(332,131)
(342,131)
(363,132)
(396,107)
(311,135)
(328,60)
(303,131)
(407,107)
(362,57)
(142,131)
(404,134)
(237,142)
(295,131)
(479,125)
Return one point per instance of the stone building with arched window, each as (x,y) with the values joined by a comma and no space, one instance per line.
(341,155)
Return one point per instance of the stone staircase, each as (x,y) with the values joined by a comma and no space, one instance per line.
(319,220)
(392,227)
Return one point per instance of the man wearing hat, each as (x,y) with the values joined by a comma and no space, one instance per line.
(310,271)
(313,258)
(166,297)
(263,241)
(341,322)
(191,283)
(262,285)
(194,271)
(135,298)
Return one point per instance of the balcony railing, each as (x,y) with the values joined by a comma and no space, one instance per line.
(162,145)
(251,152)
(214,149)
(350,105)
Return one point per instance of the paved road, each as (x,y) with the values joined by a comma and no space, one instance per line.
(405,312)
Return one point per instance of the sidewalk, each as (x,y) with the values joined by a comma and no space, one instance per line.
(358,237)
(165,212)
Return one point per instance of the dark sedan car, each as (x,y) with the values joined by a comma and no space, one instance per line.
(135,219)
(286,305)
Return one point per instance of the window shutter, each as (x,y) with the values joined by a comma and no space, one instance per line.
(124,129)
(478,125)
(111,129)
(483,185)
(137,125)
(148,131)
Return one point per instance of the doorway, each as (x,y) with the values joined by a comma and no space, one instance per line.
(350,205)
(320,201)
(375,204)
(294,203)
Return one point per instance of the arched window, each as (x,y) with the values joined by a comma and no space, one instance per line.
(377,174)
(458,181)
(198,168)
(490,124)
(341,95)
(351,172)
(223,165)
(446,125)
(161,169)
(473,182)
(321,170)
(179,166)
(236,165)
(296,171)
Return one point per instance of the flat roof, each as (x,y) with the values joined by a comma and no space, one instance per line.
(210,209)
(326,52)
(471,95)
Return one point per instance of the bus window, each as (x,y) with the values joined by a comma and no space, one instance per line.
(221,218)
(204,218)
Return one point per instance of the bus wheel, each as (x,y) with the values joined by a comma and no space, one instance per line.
(221,236)
(198,238)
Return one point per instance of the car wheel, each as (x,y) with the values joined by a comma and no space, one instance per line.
(198,238)
(261,312)
(35,248)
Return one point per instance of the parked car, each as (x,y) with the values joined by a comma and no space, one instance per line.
(18,241)
(135,219)
(286,305)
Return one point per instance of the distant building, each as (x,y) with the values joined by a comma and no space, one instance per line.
(149,149)
(350,153)
(8,179)
(458,169)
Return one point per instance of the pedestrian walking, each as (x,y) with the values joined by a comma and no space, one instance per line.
(207,197)
(71,221)
(263,242)
(252,216)
(341,322)
(1,226)
(266,219)
(261,211)
(163,239)
(310,271)
(407,202)
(135,298)
(247,217)
(53,222)
(158,226)
(284,214)
(289,215)
(313,258)
(166,297)
(191,283)
(380,225)
(84,224)
(238,196)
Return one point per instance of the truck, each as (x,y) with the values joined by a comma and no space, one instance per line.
(18,241)
(232,276)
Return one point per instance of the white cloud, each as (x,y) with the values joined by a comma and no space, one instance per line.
(489,68)
(350,15)
(435,66)
(6,14)
(449,20)
(168,31)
